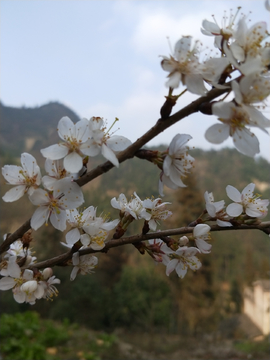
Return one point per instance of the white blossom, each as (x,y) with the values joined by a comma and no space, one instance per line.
(184,67)
(53,205)
(246,202)
(201,234)
(177,163)
(233,123)
(157,210)
(102,141)
(83,265)
(180,260)
(27,178)
(216,210)
(75,147)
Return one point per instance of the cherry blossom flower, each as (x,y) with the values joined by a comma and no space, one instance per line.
(180,260)
(75,147)
(65,196)
(177,163)
(216,210)
(184,67)
(253,89)
(102,142)
(223,32)
(246,202)
(233,123)
(200,234)
(247,42)
(83,264)
(88,228)
(56,171)
(27,178)
(47,283)
(157,210)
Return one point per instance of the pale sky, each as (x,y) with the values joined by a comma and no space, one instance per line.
(101,58)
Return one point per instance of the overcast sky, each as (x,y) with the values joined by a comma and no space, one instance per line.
(101,58)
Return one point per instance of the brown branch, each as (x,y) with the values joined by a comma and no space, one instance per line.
(63,258)
(160,126)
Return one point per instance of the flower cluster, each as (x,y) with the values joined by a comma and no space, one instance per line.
(244,51)
(27,285)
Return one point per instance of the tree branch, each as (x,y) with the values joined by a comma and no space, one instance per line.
(62,259)
(160,126)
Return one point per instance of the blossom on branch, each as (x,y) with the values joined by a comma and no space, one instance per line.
(245,202)
(184,67)
(216,210)
(176,164)
(83,265)
(180,260)
(52,205)
(102,141)
(233,123)
(27,178)
(75,147)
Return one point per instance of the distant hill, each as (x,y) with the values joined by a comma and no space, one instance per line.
(29,129)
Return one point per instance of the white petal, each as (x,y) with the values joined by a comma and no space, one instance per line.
(74,273)
(7,283)
(201,229)
(195,84)
(55,152)
(174,80)
(39,197)
(171,266)
(222,109)
(217,133)
(14,193)
(223,223)
(73,236)
(13,268)
(29,164)
(234,209)
(118,143)
(203,246)
(82,130)
(233,193)
(58,219)
(39,217)
(73,162)
(246,142)
(12,174)
(109,155)
(181,270)
(65,128)
(211,27)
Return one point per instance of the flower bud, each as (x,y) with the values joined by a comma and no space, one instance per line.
(29,286)
(183,240)
(47,273)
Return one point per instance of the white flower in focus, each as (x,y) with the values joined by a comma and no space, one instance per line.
(56,171)
(157,210)
(216,209)
(184,67)
(27,178)
(65,196)
(84,264)
(136,209)
(233,123)
(253,89)
(48,286)
(201,234)
(88,228)
(247,42)
(102,142)
(75,147)
(180,260)
(178,162)
(223,32)
(246,202)
(121,203)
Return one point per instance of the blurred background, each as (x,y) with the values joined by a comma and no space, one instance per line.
(100,58)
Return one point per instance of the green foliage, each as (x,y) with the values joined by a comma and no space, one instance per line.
(143,299)
(26,336)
